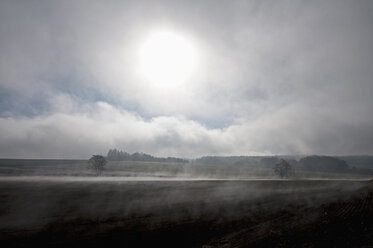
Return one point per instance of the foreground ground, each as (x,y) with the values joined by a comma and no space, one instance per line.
(97,212)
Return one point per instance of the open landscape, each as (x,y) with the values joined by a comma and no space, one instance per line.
(191,124)
(57,203)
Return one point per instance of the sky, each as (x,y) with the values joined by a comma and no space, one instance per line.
(267,78)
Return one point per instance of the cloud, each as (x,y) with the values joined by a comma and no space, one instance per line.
(274,77)
(73,131)
(76,131)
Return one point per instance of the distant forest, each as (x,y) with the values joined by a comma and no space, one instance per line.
(347,164)
(118,155)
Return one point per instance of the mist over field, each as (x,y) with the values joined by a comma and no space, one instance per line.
(168,202)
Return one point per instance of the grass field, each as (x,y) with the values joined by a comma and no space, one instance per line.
(141,169)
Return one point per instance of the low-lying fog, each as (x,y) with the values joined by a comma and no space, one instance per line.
(36,201)
(155,178)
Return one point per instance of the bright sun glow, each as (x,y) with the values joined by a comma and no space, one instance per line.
(167,58)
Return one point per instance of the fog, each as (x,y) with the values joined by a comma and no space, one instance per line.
(280,79)
(64,202)
(153,179)
(36,202)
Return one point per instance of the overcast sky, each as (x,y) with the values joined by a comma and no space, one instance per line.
(273,77)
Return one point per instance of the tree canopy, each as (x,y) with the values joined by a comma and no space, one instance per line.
(97,162)
(283,169)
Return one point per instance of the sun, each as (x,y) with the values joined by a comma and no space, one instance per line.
(167,58)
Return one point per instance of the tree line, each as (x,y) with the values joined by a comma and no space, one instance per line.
(119,155)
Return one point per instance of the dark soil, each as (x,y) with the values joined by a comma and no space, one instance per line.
(186,214)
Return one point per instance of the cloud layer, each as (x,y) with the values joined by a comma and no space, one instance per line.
(273,78)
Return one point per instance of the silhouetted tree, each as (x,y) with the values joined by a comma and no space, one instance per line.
(97,162)
(283,169)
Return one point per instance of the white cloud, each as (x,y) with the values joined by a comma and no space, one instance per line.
(275,77)
(76,132)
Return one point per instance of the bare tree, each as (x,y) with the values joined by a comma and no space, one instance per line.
(97,162)
(283,169)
